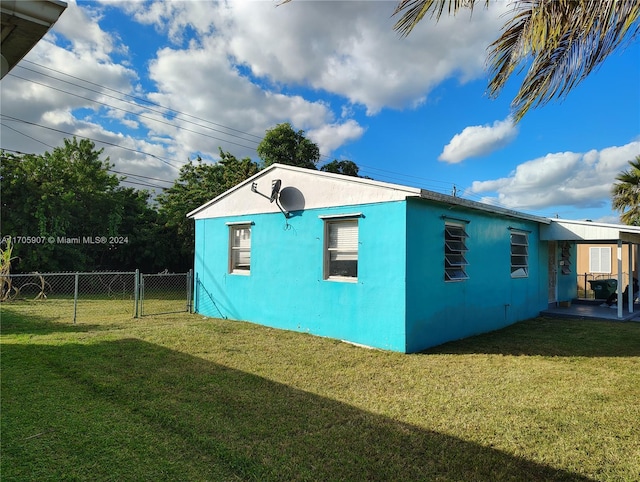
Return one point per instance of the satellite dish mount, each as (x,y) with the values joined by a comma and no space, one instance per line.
(275,194)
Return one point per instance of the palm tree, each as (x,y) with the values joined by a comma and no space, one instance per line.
(626,194)
(565,40)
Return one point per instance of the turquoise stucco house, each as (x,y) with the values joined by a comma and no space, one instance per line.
(372,263)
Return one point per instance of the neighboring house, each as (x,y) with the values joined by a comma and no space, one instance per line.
(24,23)
(377,264)
(599,261)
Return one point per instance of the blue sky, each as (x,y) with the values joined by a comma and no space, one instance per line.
(163,82)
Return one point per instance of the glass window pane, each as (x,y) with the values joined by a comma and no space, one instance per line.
(240,248)
(341,255)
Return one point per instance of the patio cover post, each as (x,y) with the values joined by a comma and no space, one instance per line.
(619,301)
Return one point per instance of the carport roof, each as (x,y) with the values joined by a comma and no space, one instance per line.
(24,23)
(589,232)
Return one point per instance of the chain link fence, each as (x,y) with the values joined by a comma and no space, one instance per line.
(85,296)
(165,293)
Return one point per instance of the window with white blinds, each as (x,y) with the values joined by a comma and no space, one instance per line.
(455,247)
(341,249)
(240,248)
(600,259)
(519,255)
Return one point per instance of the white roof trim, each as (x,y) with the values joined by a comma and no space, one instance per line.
(443,198)
(409,191)
(590,232)
(387,192)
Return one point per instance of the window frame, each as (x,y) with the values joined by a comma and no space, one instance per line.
(329,222)
(519,270)
(233,263)
(455,248)
(600,249)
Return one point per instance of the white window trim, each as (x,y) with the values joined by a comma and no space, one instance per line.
(341,216)
(233,227)
(520,271)
(328,221)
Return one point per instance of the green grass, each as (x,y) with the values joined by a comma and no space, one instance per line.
(181,397)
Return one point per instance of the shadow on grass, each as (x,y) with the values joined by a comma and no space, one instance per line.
(14,322)
(110,407)
(547,336)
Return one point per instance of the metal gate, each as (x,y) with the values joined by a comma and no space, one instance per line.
(165,293)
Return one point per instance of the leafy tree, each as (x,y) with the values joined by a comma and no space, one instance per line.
(626,194)
(67,193)
(198,183)
(145,243)
(348,168)
(282,144)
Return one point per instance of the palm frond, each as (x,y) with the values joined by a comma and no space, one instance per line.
(626,194)
(414,10)
(565,40)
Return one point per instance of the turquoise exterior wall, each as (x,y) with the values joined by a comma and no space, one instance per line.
(440,311)
(286,289)
(400,302)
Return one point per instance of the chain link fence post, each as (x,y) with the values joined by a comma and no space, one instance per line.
(75,298)
(136,294)
(189,291)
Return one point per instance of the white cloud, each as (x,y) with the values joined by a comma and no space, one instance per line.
(350,48)
(346,48)
(560,179)
(214,88)
(330,136)
(476,141)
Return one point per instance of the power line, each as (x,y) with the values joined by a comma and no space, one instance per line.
(26,135)
(102,93)
(91,139)
(323,156)
(140,176)
(141,99)
(127,174)
(135,113)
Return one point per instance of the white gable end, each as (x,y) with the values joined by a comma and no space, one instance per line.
(300,189)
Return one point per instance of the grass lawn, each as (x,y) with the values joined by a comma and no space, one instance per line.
(182,397)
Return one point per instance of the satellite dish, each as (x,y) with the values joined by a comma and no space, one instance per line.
(275,189)
(291,199)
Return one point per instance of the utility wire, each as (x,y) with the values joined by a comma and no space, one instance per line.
(91,139)
(102,93)
(142,116)
(127,174)
(140,176)
(141,99)
(26,135)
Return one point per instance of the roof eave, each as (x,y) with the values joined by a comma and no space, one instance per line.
(466,203)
